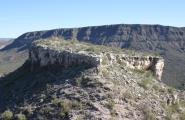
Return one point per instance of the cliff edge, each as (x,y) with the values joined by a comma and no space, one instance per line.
(72,53)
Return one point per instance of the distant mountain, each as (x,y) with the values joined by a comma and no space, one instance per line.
(168,41)
(6,39)
(4,42)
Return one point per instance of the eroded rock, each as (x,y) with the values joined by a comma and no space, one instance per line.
(45,54)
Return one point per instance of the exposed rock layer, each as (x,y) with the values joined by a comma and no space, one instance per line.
(45,56)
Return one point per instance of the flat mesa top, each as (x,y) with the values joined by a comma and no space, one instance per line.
(76,46)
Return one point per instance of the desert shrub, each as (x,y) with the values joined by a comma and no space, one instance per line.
(7,115)
(148,114)
(182,116)
(105,61)
(149,74)
(94,49)
(138,71)
(113,113)
(21,116)
(171,90)
(145,83)
(67,105)
(76,104)
(156,87)
(128,95)
(170,109)
(105,73)
(55,101)
(78,81)
(110,104)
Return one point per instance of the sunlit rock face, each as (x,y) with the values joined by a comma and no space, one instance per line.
(44,55)
(153,63)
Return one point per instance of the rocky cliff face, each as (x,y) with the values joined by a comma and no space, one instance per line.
(169,41)
(121,35)
(45,54)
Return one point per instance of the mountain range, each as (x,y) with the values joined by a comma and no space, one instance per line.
(167,41)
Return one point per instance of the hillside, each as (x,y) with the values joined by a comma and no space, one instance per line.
(166,40)
(76,80)
(4,42)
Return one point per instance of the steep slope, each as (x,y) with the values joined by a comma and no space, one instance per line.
(4,42)
(75,80)
(169,41)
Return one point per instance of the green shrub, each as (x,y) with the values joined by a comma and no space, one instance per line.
(138,71)
(171,90)
(7,115)
(145,83)
(78,81)
(105,61)
(21,116)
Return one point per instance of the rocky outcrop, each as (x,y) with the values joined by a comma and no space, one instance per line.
(153,63)
(47,56)
(44,55)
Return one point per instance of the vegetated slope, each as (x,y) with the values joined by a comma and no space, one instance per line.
(169,41)
(10,59)
(108,91)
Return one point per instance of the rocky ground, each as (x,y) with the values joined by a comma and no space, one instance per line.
(109,92)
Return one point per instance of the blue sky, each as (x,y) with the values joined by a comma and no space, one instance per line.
(20,16)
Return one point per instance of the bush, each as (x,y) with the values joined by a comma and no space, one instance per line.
(7,115)
(127,95)
(148,115)
(105,61)
(182,116)
(110,104)
(170,109)
(145,83)
(21,116)
(67,105)
(156,87)
(78,81)
(171,90)
(55,101)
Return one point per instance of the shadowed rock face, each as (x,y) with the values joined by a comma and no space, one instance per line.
(169,41)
